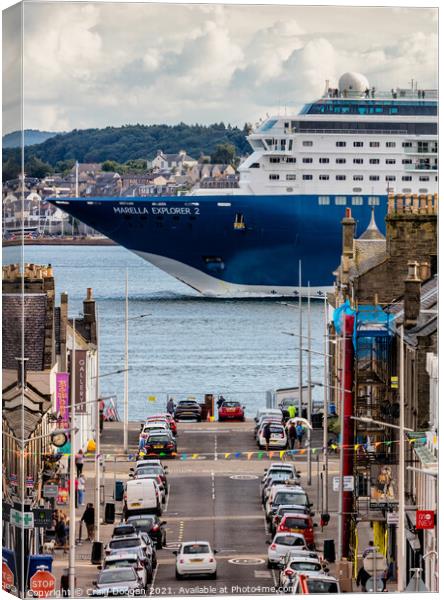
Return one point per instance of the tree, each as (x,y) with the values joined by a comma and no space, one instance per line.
(35,167)
(11,169)
(224,154)
(111,165)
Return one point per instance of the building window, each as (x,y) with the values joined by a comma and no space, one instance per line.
(307,177)
(357,200)
(340,161)
(324,200)
(291,159)
(307,143)
(374,144)
(406,178)
(340,200)
(324,177)
(358,177)
(291,177)
(358,144)
(406,161)
(374,178)
(374,161)
(390,178)
(324,161)
(390,161)
(341,144)
(424,178)
(373,200)
(273,176)
(275,159)
(340,178)
(407,144)
(358,161)
(390,144)
(307,160)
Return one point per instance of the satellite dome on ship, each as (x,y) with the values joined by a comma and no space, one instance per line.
(353,82)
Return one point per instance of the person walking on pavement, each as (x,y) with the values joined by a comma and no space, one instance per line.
(291,411)
(292,435)
(220,401)
(299,434)
(60,531)
(170,406)
(370,548)
(81,490)
(362,578)
(267,435)
(79,462)
(88,519)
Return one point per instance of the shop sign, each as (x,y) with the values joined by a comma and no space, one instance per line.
(50,490)
(62,396)
(80,381)
(425,519)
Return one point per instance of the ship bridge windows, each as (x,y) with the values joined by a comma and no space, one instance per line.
(407,144)
(390,178)
(390,144)
(341,161)
(307,160)
(307,177)
(407,161)
(358,144)
(307,143)
(373,200)
(424,178)
(255,165)
(358,161)
(340,200)
(374,161)
(341,177)
(406,178)
(291,159)
(374,178)
(324,200)
(341,144)
(374,144)
(358,177)
(390,161)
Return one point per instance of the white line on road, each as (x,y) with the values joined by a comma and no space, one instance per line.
(213,489)
(154,580)
(215,447)
(168,498)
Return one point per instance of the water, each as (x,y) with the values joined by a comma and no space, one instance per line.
(186,345)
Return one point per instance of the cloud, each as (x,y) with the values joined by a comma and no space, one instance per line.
(92,65)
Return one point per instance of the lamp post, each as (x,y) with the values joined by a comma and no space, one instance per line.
(72,489)
(97,423)
(309,403)
(300,339)
(125,391)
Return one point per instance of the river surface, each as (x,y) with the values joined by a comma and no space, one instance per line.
(185,345)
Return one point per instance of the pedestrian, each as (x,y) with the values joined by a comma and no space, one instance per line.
(79,462)
(370,548)
(299,434)
(170,406)
(362,578)
(423,94)
(64,584)
(61,532)
(101,414)
(220,401)
(292,435)
(267,435)
(88,518)
(291,411)
(373,92)
(81,490)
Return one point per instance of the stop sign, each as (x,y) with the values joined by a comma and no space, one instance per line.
(7,577)
(42,583)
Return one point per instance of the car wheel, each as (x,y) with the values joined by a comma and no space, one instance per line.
(213,575)
(269,564)
(178,575)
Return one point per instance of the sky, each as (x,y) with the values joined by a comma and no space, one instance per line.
(99,64)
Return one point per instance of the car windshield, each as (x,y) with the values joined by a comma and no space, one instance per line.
(280,476)
(296,523)
(121,562)
(145,522)
(290,498)
(276,429)
(123,530)
(196,549)
(319,586)
(117,576)
(305,566)
(289,540)
(230,404)
(125,543)
(149,470)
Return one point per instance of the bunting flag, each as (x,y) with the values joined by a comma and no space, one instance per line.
(249,455)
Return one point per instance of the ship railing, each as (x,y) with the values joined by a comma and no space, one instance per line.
(397,94)
(420,167)
(353,131)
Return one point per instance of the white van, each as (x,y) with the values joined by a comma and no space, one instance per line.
(142,496)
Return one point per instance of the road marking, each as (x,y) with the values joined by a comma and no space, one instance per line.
(154,580)
(172,545)
(274,577)
(215,448)
(213,490)
(246,561)
(262,574)
(245,477)
(168,498)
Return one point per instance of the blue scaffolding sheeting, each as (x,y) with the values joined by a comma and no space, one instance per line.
(340,312)
(371,322)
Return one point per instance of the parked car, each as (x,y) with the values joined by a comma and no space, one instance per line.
(231,411)
(262,412)
(141,497)
(276,478)
(152,469)
(195,558)
(161,443)
(123,581)
(266,419)
(154,427)
(288,509)
(143,569)
(281,544)
(315,584)
(298,564)
(133,543)
(285,494)
(122,530)
(152,525)
(298,523)
(278,438)
(154,477)
(188,410)
(164,418)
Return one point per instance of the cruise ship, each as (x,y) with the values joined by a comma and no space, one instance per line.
(350,148)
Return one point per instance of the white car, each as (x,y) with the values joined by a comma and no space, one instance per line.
(278,436)
(127,559)
(268,412)
(281,544)
(298,564)
(312,583)
(195,558)
(153,426)
(156,479)
(284,494)
(278,467)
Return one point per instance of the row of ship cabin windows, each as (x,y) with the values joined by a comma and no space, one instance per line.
(356,200)
(422,146)
(343,161)
(308,177)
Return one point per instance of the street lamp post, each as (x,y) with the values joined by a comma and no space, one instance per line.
(325,419)
(72,489)
(300,339)
(125,393)
(309,404)
(401,479)
(341,453)
(97,423)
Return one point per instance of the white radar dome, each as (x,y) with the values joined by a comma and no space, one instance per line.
(353,82)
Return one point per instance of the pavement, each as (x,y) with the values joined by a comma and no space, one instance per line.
(212,497)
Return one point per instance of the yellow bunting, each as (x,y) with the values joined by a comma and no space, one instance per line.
(227,454)
(282,454)
(194,456)
(357,447)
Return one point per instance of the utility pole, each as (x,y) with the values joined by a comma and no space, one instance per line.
(325,419)
(341,450)
(125,396)
(300,339)
(401,479)
(77,178)
(309,406)
(72,472)
(97,420)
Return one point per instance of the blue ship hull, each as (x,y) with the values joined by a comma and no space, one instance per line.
(227,244)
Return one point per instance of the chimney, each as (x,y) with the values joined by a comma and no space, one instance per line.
(89,315)
(424,271)
(348,233)
(412,296)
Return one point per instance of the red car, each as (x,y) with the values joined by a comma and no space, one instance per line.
(298,523)
(230,410)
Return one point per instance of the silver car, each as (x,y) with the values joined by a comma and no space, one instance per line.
(118,582)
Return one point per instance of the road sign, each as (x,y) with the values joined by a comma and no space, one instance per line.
(425,519)
(349,483)
(374,562)
(50,490)
(42,517)
(25,520)
(7,577)
(42,583)
(392,518)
